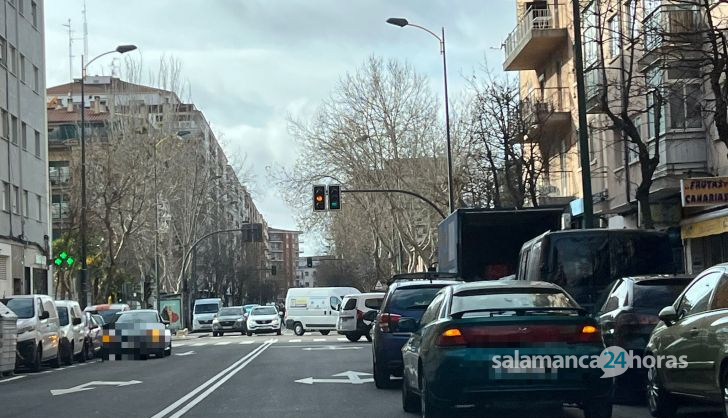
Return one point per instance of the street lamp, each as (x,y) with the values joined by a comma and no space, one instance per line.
(121,49)
(402,23)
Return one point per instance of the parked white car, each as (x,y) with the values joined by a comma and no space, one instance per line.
(263,319)
(38,330)
(73,331)
(204,312)
(315,308)
(351,322)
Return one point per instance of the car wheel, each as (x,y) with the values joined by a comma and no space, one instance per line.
(221,334)
(660,402)
(168,351)
(353,337)
(279,332)
(382,379)
(249,334)
(410,401)
(298,329)
(368,336)
(429,409)
(326,332)
(69,355)
(143,356)
(598,408)
(242,332)
(214,333)
(724,390)
(37,359)
(82,356)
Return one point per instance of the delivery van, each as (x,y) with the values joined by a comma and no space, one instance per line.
(315,308)
(204,312)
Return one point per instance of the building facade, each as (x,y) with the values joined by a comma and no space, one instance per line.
(284,253)
(24,214)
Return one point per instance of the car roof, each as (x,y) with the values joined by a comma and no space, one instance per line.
(66,303)
(236,307)
(138,311)
(366,295)
(208,300)
(656,277)
(27,296)
(422,283)
(505,284)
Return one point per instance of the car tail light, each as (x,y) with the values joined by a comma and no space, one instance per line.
(359,315)
(634,319)
(588,334)
(387,321)
(452,337)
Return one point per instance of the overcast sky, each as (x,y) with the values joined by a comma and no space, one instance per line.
(252,63)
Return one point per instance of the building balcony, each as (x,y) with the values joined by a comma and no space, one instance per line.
(672,31)
(539,33)
(547,113)
(556,187)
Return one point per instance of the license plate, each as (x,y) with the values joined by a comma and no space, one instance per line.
(539,373)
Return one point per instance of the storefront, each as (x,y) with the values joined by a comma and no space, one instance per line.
(705,230)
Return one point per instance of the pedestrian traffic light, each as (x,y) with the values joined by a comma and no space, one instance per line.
(64,260)
(309,262)
(273,270)
(334,197)
(319,197)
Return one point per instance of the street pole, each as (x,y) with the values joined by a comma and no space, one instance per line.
(451,192)
(583,127)
(83,292)
(401,22)
(156,231)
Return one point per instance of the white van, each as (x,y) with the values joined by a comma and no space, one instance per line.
(38,330)
(204,312)
(315,308)
(72,331)
(351,316)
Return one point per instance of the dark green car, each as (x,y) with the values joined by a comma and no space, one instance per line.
(456,355)
(694,333)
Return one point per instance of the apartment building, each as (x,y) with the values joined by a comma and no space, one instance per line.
(284,252)
(24,217)
(649,45)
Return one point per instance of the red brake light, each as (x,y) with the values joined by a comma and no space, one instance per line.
(451,338)
(387,321)
(359,315)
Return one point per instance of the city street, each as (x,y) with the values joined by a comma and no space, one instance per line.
(261,376)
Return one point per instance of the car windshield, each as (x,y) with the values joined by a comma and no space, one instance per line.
(206,308)
(230,312)
(267,310)
(248,308)
(22,307)
(137,317)
(108,314)
(656,294)
(62,315)
(412,298)
(492,299)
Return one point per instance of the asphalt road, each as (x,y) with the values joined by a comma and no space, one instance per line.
(231,376)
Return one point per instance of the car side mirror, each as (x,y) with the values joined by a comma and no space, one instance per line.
(76,321)
(407,325)
(668,315)
(45,315)
(371,315)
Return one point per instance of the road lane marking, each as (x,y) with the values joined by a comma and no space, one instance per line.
(295,340)
(198,344)
(91,386)
(12,378)
(341,339)
(352,377)
(186,353)
(332,347)
(223,343)
(318,340)
(247,342)
(210,381)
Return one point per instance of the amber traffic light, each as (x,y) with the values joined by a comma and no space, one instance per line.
(319,197)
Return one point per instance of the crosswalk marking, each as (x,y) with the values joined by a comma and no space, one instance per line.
(198,344)
(247,342)
(223,343)
(295,340)
(318,340)
(341,339)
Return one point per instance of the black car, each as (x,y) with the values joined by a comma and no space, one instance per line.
(627,316)
(404,299)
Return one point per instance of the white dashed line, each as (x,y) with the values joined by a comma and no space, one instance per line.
(341,339)
(198,344)
(295,340)
(318,340)
(247,342)
(12,378)
(223,343)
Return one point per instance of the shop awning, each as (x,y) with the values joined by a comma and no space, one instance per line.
(705,228)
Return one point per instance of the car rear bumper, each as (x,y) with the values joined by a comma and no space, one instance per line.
(467,375)
(226,328)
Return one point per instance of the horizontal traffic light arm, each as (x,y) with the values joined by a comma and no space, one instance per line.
(407,192)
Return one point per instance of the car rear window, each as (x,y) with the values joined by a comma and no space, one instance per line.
(656,294)
(230,311)
(349,304)
(137,317)
(412,298)
(373,303)
(471,300)
(205,308)
(108,314)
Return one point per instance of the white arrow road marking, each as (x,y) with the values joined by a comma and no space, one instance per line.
(91,386)
(352,377)
(331,347)
(186,353)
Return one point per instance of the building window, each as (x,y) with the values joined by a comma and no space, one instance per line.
(306,274)
(15,202)
(5,121)
(685,106)
(26,204)
(59,206)
(24,135)
(34,13)
(615,32)
(36,79)
(22,68)
(37,144)
(6,197)
(39,199)
(59,172)
(14,130)
(13,56)
(3,53)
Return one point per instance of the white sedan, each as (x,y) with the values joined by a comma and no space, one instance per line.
(263,319)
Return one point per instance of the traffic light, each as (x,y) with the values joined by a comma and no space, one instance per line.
(319,197)
(334,197)
(273,270)
(309,262)
(64,260)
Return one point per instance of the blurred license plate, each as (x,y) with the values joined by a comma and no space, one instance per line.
(524,373)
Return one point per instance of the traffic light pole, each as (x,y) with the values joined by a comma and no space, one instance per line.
(407,192)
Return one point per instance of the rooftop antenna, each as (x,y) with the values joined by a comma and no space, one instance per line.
(70,50)
(85,31)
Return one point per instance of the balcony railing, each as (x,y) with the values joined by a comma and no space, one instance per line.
(539,105)
(556,184)
(535,19)
(672,24)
